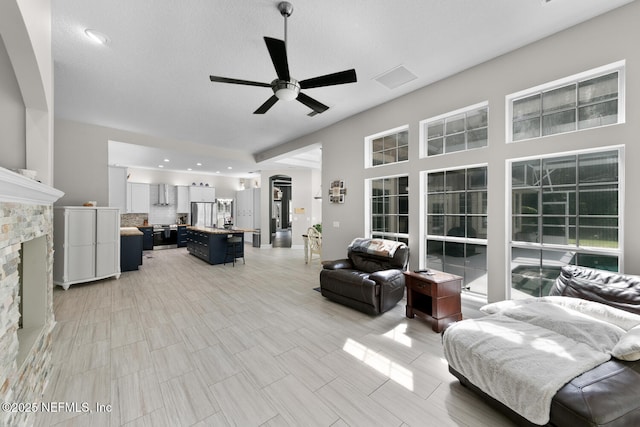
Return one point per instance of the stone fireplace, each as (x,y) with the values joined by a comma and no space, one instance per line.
(26,291)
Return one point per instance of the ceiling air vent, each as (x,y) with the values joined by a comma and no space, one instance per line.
(396,77)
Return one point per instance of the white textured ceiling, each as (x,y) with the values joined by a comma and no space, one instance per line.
(153,75)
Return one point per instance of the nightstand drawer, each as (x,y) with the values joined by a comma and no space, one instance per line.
(421,287)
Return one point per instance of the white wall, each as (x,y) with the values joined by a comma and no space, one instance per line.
(12,120)
(603,40)
(25,28)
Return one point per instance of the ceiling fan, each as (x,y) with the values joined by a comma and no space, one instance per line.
(284,87)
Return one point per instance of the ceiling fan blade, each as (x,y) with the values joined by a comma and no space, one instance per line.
(316,106)
(268,104)
(278,51)
(342,77)
(237,81)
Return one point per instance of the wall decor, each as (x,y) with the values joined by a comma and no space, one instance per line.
(337,191)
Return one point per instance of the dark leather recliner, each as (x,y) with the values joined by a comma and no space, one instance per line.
(368,282)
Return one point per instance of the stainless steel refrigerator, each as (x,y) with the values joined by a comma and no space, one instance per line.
(203,214)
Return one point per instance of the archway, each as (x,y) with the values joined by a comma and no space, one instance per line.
(280,211)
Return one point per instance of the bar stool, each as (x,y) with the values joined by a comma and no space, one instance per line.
(234,243)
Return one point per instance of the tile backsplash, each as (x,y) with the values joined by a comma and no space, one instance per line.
(133,219)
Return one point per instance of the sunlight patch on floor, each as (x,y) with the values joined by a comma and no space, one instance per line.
(385,366)
(398,334)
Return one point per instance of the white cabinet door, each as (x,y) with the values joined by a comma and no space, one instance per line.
(140,198)
(182,205)
(202,194)
(80,226)
(107,242)
(195,195)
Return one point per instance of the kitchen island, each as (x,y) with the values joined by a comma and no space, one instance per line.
(210,244)
(131,246)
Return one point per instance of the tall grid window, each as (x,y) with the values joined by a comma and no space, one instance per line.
(564,210)
(456,224)
(390,208)
(460,130)
(593,99)
(388,147)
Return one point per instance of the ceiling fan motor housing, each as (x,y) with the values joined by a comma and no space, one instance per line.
(286,90)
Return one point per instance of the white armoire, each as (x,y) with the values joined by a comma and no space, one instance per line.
(86,243)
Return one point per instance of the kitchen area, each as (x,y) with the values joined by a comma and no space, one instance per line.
(164,216)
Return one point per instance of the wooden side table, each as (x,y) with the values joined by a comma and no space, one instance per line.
(434,296)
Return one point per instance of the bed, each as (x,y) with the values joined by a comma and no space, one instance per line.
(569,359)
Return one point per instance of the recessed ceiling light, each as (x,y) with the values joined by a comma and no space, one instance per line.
(189,169)
(217,171)
(229,167)
(96,36)
(160,166)
(166,160)
(198,164)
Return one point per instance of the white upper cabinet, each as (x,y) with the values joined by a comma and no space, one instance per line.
(182,204)
(202,194)
(139,198)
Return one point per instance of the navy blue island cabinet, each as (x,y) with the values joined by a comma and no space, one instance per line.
(210,244)
(131,247)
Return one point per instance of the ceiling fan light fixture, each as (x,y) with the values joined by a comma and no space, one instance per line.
(286,91)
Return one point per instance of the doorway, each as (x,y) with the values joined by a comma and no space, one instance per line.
(280,211)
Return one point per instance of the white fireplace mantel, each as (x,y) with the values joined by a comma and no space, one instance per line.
(16,188)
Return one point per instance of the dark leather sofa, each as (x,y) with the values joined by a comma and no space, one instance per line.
(609,394)
(367,282)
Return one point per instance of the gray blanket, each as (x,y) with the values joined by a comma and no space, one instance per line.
(522,356)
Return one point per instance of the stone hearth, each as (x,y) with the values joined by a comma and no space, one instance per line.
(26,258)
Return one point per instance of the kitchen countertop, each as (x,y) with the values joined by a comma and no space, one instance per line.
(130,231)
(218,230)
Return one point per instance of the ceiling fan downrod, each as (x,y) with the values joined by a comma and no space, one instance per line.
(286,9)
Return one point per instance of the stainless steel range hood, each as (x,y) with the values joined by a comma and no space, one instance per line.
(163,195)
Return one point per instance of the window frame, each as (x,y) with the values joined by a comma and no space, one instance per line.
(553,247)
(368,146)
(424,226)
(368,219)
(618,67)
(423,125)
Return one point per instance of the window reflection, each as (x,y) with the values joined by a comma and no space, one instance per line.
(578,105)
(569,202)
(457,224)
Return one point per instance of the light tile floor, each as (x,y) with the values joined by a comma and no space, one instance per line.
(184,343)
